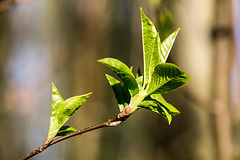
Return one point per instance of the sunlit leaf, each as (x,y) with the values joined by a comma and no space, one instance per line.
(123,72)
(166,78)
(154,57)
(166,46)
(65,130)
(140,82)
(159,99)
(121,93)
(62,110)
(157,103)
(149,34)
(137,99)
(56,98)
(155,107)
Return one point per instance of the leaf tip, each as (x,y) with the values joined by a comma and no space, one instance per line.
(169,123)
(108,77)
(100,60)
(89,94)
(142,13)
(187,78)
(176,32)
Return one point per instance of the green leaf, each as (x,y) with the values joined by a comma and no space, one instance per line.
(137,99)
(149,34)
(167,45)
(140,82)
(166,78)
(157,103)
(121,93)
(159,77)
(154,57)
(155,107)
(62,110)
(123,72)
(65,130)
(139,78)
(159,99)
(56,98)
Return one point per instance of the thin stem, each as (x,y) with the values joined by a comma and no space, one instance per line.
(112,122)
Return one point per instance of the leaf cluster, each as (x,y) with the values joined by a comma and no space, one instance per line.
(132,92)
(145,91)
(61,112)
(137,91)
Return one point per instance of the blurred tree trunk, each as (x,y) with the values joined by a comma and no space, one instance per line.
(6,114)
(195,56)
(85,24)
(202,30)
(224,52)
(235,80)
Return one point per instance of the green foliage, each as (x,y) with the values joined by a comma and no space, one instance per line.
(166,78)
(64,130)
(150,40)
(167,44)
(142,91)
(121,93)
(159,77)
(62,111)
(157,103)
(123,72)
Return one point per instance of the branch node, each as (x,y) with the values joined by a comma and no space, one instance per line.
(114,124)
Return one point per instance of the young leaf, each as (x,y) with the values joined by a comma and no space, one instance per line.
(157,103)
(149,34)
(64,130)
(155,107)
(137,99)
(159,99)
(139,78)
(166,78)
(123,72)
(56,98)
(167,45)
(62,110)
(159,77)
(154,57)
(121,93)
(140,82)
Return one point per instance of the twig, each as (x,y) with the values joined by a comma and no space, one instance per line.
(112,122)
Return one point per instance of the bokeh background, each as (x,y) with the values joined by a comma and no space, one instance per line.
(44,41)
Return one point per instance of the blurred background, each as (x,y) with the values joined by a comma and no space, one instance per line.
(44,42)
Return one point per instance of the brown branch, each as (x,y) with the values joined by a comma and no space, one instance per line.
(112,122)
